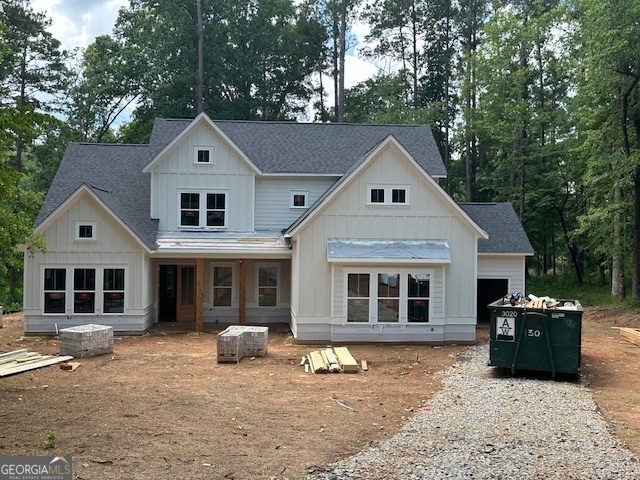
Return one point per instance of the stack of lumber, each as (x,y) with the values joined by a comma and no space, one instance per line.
(23,360)
(630,335)
(330,360)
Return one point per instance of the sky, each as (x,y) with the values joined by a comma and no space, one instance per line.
(76,23)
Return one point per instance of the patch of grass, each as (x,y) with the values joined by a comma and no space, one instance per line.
(50,440)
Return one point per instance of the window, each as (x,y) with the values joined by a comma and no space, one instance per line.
(85,231)
(392,195)
(358,297)
(84,290)
(54,290)
(202,155)
(222,286)
(113,290)
(299,199)
(388,297)
(394,298)
(193,211)
(418,297)
(268,286)
(377,195)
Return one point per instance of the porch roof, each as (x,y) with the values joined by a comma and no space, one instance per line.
(414,251)
(258,244)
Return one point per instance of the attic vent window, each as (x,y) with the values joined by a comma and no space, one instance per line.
(388,195)
(203,155)
(299,199)
(85,231)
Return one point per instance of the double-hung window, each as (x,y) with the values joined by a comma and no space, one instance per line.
(267,286)
(113,290)
(358,297)
(55,286)
(84,290)
(203,210)
(222,286)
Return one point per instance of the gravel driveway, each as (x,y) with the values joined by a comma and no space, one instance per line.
(482,426)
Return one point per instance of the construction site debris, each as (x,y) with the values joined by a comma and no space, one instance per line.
(330,360)
(239,341)
(86,340)
(22,360)
(631,335)
(533,301)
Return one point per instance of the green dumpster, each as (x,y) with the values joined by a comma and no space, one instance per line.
(544,339)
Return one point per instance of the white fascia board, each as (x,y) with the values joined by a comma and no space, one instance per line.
(390,261)
(203,117)
(311,175)
(72,199)
(269,254)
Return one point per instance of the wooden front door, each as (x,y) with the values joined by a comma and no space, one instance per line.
(186,308)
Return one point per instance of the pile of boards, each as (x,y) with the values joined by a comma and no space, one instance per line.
(631,335)
(330,360)
(23,360)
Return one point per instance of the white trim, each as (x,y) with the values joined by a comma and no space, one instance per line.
(295,193)
(388,195)
(202,148)
(278,284)
(94,231)
(234,300)
(72,199)
(202,209)
(390,261)
(318,207)
(202,117)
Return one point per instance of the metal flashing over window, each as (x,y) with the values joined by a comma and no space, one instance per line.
(405,251)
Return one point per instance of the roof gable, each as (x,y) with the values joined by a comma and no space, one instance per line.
(199,120)
(344,181)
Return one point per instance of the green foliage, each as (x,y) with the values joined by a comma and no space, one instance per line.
(50,439)
(592,292)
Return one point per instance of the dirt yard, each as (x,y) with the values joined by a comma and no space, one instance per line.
(160,407)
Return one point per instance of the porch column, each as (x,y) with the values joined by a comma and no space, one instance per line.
(242,294)
(200,295)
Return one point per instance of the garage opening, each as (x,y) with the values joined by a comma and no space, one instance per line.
(489,290)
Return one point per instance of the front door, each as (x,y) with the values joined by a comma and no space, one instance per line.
(186,307)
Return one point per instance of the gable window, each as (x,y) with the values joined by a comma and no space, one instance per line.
(388,195)
(267,286)
(84,290)
(196,213)
(377,195)
(202,155)
(85,231)
(358,297)
(113,290)
(222,286)
(299,199)
(54,290)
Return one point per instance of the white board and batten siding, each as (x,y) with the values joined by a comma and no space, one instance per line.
(228,173)
(273,199)
(317,312)
(113,247)
(510,267)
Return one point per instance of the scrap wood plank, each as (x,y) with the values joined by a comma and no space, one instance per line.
(10,356)
(69,366)
(631,335)
(364,365)
(332,361)
(317,362)
(30,366)
(346,360)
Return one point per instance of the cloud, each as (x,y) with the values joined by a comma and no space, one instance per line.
(76,23)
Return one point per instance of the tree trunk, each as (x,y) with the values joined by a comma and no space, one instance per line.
(200,85)
(617,263)
(341,56)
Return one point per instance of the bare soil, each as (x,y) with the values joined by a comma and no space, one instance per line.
(161,407)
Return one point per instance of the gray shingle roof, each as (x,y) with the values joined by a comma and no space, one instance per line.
(114,171)
(114,174)
(499,220)
(317,148)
